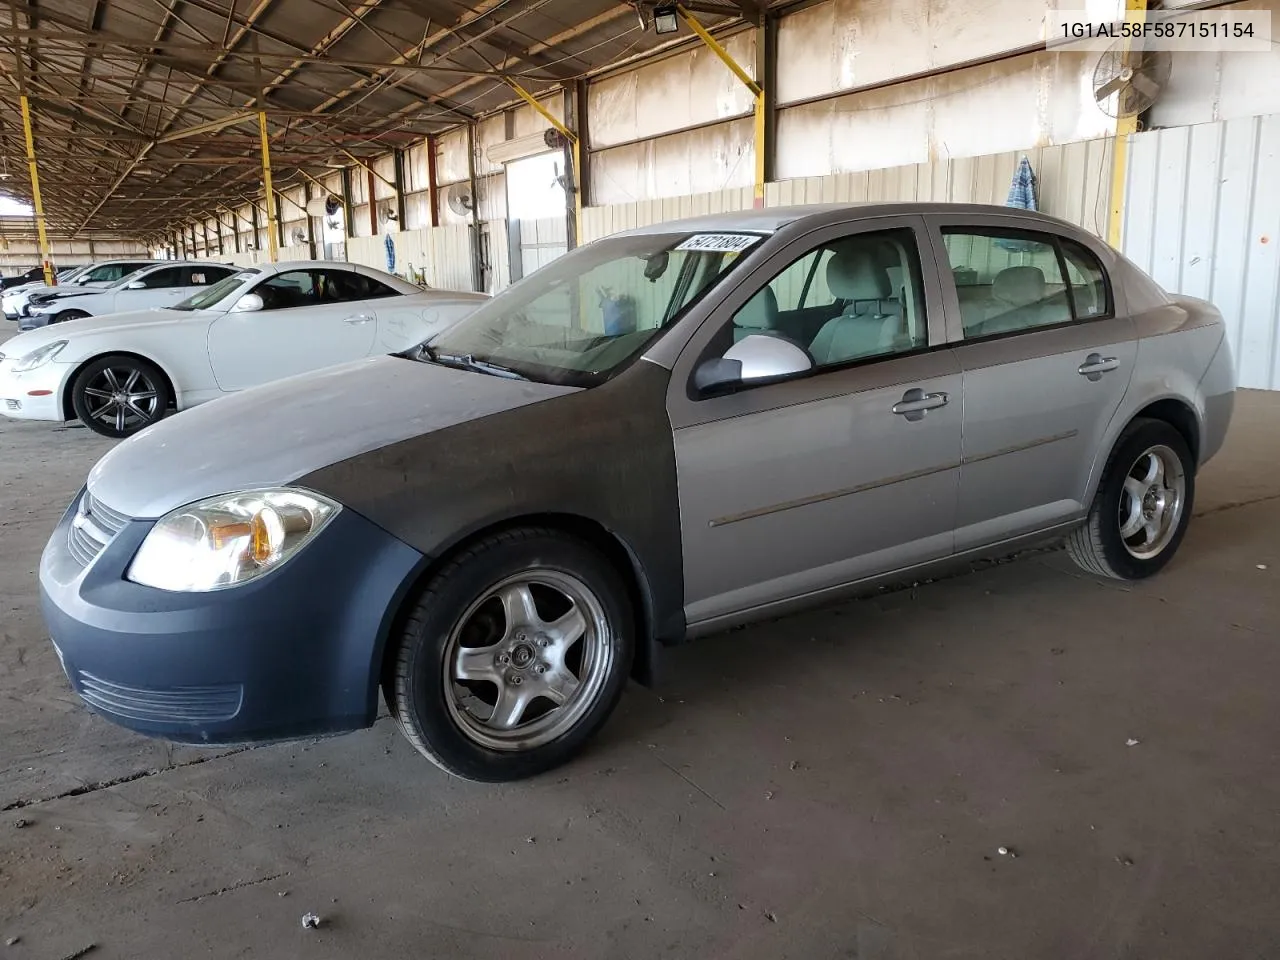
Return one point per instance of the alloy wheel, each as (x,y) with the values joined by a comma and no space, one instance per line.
(1152,502)
(527,660)
(123,398)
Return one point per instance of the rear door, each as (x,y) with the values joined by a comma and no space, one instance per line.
(308,321)
(1046,361)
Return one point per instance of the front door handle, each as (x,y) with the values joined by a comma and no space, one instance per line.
(359,318)
(915,403)
(1095,365)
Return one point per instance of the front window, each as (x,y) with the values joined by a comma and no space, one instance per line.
(216,293)
(584,317)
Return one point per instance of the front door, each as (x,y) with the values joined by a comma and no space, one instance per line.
(167,286)
(1046,363)
(851,470)
(305,324)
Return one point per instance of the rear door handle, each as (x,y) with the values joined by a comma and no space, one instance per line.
(1095,365)
(359,318)
(915,403)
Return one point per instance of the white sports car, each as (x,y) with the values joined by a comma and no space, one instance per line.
(159,284)
(122,372)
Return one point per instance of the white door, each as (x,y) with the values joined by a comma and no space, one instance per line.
(306,323)
(165,287)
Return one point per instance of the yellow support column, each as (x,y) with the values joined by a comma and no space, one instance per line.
(272,227)
(49,278)
(1135,12)
(756,89)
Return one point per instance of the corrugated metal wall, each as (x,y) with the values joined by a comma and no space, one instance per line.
(442,254)
(1202,216)
(1073,182)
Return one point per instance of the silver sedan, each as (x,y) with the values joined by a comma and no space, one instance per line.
(659,435)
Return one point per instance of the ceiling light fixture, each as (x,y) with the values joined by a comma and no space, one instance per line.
(666,18)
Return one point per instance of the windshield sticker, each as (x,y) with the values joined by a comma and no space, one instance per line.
(719,242)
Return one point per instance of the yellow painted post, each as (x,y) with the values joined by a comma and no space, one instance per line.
(756,89)
(272,244)
(50,278)
(1135,12)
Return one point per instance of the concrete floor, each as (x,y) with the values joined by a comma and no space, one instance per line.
(832,785)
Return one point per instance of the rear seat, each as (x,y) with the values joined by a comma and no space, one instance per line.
(1018,298)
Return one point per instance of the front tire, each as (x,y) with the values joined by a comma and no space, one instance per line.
(512,656)
(1143,505)
(117,396)
(66,315)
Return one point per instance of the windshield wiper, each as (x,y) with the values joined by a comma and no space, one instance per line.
(460,361)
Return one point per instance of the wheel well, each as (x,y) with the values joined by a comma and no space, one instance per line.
(69,410)
(1179,416)
(589,531)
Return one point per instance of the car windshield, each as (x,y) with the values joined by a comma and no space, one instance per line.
(584,317)
(216,293)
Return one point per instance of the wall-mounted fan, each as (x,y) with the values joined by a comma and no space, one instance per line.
(386,215)
(1126,86)
(460,199)
(298,236)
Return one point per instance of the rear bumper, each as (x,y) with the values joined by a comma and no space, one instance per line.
(1218,389)
(293,654)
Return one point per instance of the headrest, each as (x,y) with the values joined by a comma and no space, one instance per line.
(760,312)
(857,273)
(895,278)
(1019,286)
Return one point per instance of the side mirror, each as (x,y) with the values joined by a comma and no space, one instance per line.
(752,359)
(136,285)
(249,303)
(81,281)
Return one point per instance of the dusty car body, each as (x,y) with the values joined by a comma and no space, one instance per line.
(662,434)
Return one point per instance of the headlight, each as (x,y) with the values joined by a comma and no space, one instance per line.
(228,540)
(38,358)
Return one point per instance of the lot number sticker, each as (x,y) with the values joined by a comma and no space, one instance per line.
(719,242)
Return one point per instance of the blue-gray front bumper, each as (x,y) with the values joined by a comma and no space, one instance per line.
(32,321)
(295,653)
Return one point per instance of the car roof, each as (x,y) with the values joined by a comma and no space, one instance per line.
(309,265)
(772,219)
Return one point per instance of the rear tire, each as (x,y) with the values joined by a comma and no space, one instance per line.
(1143,505)
(118,395)
(512,656)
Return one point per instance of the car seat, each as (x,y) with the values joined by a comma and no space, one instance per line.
(1018,295)
(870,321)
(757,315)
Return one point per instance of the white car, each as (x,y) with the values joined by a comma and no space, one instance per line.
(159,285)
(123,372)
(16,301)
(12,300)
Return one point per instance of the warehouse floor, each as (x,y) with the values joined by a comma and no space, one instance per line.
(837,784)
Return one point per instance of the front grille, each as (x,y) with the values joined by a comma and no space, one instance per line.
(195,705)
(93,527)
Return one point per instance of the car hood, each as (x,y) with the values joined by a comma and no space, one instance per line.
(63,293)
(24,288)
(274,434)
